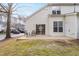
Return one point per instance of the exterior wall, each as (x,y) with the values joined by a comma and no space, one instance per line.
(64,9)
(77,8)
(78,26)
(71,25)
(49,10)
(39,18)
(67,9)
(51,20)
(70,21)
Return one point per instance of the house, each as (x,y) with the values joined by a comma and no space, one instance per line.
(2,22)
(56,19)
(18,22)
(15,22)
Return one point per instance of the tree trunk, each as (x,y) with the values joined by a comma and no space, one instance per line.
(8,30)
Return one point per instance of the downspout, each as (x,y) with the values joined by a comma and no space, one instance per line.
(74,7)
(48,22)
(64,26)
(76,22)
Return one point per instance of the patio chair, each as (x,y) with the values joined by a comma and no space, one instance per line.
(26,33)
(33,33)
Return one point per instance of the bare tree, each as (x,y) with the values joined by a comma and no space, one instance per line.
(8,9)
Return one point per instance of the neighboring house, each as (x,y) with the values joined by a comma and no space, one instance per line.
(56,19)
(15,22)
(18,23)
(2,21)
(0,27)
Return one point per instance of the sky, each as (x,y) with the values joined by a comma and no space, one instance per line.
(26,9)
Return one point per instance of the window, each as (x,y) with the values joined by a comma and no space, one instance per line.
(53,12)
(55,26)
(40,29)
(56,12)
(58,26)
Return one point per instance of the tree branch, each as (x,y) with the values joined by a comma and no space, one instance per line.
(3,7)
(3,11)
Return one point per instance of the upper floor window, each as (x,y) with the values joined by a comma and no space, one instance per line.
(56,12)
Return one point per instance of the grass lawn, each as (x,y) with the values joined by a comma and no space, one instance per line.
(39,47)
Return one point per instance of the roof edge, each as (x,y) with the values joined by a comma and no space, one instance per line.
(59,4)
(37,11)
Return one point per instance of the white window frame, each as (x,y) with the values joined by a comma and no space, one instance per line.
(56,12)
(58,26)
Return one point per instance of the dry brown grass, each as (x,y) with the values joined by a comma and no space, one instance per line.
(48,47)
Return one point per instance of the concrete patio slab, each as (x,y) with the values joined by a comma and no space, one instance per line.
(45,37)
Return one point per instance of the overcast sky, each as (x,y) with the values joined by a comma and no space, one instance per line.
(26,9)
